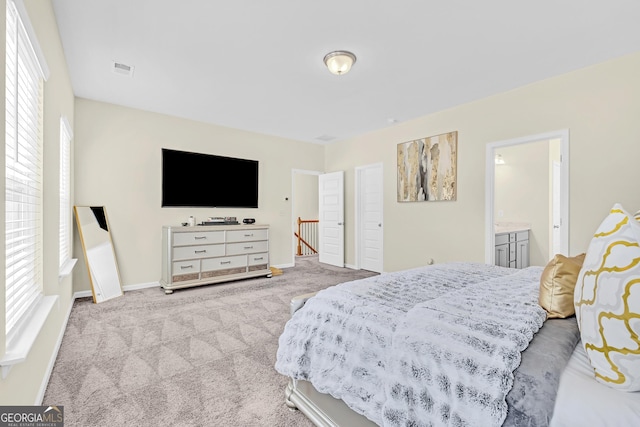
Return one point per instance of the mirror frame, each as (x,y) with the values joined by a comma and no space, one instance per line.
(96,288)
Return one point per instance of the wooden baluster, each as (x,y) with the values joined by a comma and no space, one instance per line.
(299,246)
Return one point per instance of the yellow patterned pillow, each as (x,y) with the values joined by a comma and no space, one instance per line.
(607,301)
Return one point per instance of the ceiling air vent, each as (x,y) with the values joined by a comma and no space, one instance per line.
(325,138)
(124,69)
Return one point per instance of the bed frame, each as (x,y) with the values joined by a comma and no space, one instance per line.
(322,409)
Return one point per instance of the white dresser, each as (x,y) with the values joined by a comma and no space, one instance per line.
(200,255)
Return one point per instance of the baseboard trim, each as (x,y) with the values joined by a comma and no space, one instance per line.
(349,266)
(82,294)
(85,294)
(140,286)
(54,356)
(289,265)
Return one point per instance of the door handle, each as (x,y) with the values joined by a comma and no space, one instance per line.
(340,223)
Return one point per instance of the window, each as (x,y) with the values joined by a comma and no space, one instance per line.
(23,170)
(65,193)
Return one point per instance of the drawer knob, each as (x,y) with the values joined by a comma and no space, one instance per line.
(199,237)
(248,247)
(186,266)
(225,262)
(201,252)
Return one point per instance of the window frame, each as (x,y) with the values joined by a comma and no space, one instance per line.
(19,341)
(66,261)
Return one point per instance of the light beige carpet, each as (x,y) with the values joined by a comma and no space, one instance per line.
(200,357)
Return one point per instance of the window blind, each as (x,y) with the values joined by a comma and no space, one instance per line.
(23,173)
(65,192)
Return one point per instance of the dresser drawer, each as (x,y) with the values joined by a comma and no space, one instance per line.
(197,238)
(224,263)
(247,248)
(259,259)
(258,262)
(247,235)
(198,251)
(186,270)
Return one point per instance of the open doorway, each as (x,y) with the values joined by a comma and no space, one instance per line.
(304,205)
(523,187)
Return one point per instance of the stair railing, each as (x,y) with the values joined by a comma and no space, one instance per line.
(307,236)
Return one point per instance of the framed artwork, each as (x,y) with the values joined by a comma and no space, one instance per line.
(427,168)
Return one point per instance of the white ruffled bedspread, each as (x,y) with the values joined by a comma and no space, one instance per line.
(432,346)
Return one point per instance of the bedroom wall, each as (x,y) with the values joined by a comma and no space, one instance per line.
(305,196)
(25,382)
(118,165)
(600,106)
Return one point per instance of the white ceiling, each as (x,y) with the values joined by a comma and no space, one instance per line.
(257,65)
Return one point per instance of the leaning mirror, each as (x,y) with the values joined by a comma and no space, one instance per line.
(99,255)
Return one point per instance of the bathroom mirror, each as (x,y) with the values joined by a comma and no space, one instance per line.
(99,255)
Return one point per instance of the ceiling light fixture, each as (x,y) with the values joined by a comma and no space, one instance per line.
(499,160)
(339,62)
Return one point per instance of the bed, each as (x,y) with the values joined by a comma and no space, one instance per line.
(460,344)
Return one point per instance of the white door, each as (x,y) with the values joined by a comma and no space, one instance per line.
(331,218)
(555,208)
(369,216)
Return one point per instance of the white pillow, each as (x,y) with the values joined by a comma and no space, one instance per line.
(607,301)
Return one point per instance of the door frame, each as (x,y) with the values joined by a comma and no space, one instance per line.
(359,221)
(556,183)
(293,205)
(563,136)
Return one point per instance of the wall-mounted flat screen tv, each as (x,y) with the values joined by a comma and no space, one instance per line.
(208,181)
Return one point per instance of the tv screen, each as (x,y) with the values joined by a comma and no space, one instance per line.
(208,181)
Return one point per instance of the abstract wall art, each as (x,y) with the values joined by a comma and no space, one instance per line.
(427,168)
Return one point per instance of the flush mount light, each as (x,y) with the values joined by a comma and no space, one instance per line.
(339,62)
(499,160)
